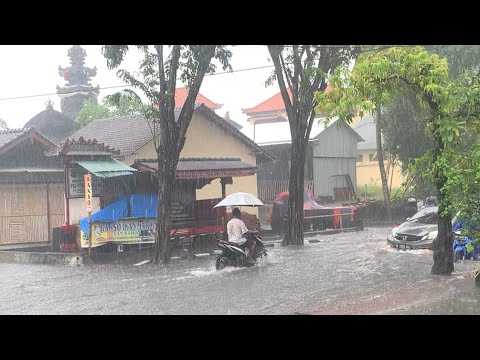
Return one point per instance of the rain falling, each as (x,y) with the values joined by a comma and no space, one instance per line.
(134,175)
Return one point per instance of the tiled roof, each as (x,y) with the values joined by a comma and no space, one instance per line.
(128,133)
(52,124)
(210,114)
(81,146)
(8,135)
(195,164)
(181,96)
(273,103)
(234,124)
(124,133)
(202,168)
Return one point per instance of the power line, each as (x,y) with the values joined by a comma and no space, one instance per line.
(38,95)
(121,86)
(240,70)
(217,73)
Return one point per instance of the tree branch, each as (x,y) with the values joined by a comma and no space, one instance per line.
(287,71)
(306,137)
(161,72)
(186,113)
(275,53)
(172,81)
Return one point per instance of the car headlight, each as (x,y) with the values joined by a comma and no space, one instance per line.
(431,235)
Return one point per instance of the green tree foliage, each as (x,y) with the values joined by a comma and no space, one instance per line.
(122,104)
(113,105)
(461,58)
(302,69)
(91,111)
(404,129)
(452,112)
(368,87)
(156,79)
(3,125)
(406,139)
(452,108)
(460,161)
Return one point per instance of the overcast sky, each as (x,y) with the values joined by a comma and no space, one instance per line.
(33,70)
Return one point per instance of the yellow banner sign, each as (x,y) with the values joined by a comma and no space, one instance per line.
(88,192)
(123,231)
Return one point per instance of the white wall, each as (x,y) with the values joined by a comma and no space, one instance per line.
(77,209)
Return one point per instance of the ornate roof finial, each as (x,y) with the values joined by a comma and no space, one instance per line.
(77,73)
(77,55)
(49,105)
(78,87)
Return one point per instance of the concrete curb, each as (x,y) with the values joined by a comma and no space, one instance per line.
(73,259)
(47,258)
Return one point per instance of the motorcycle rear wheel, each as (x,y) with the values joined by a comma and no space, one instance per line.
(222,262)
(458,256)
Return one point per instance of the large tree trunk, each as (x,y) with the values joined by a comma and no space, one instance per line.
(294,233)
(443,244)
(381,166)
(443,247)
(167,164)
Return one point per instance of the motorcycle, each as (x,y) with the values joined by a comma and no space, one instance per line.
(233,255)
(463,248)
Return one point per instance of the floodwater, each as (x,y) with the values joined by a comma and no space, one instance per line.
(348,273)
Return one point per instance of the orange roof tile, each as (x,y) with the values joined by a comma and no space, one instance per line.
(182,93)
(274,103)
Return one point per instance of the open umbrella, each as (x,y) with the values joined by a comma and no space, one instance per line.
(240,199)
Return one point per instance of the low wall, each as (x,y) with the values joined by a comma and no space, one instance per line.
(48,258)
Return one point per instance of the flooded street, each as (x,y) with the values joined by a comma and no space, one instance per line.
(349,273)
(107,149)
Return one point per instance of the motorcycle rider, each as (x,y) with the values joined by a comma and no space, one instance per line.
(430,201)
(236,228)
(411,207)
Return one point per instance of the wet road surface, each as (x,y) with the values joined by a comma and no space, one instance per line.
(348,273)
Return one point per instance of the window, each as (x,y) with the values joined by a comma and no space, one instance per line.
(371,157)
(360,158)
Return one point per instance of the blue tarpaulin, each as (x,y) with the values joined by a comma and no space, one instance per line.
(141,206)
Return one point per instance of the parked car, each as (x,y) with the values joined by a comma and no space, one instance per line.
(418,232)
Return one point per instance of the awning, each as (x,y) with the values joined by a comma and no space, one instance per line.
(107,169)
(202,168)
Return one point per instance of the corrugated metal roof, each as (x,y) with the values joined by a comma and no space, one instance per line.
(106,169)
(29,170)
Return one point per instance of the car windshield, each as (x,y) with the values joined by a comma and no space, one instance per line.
(428,215)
